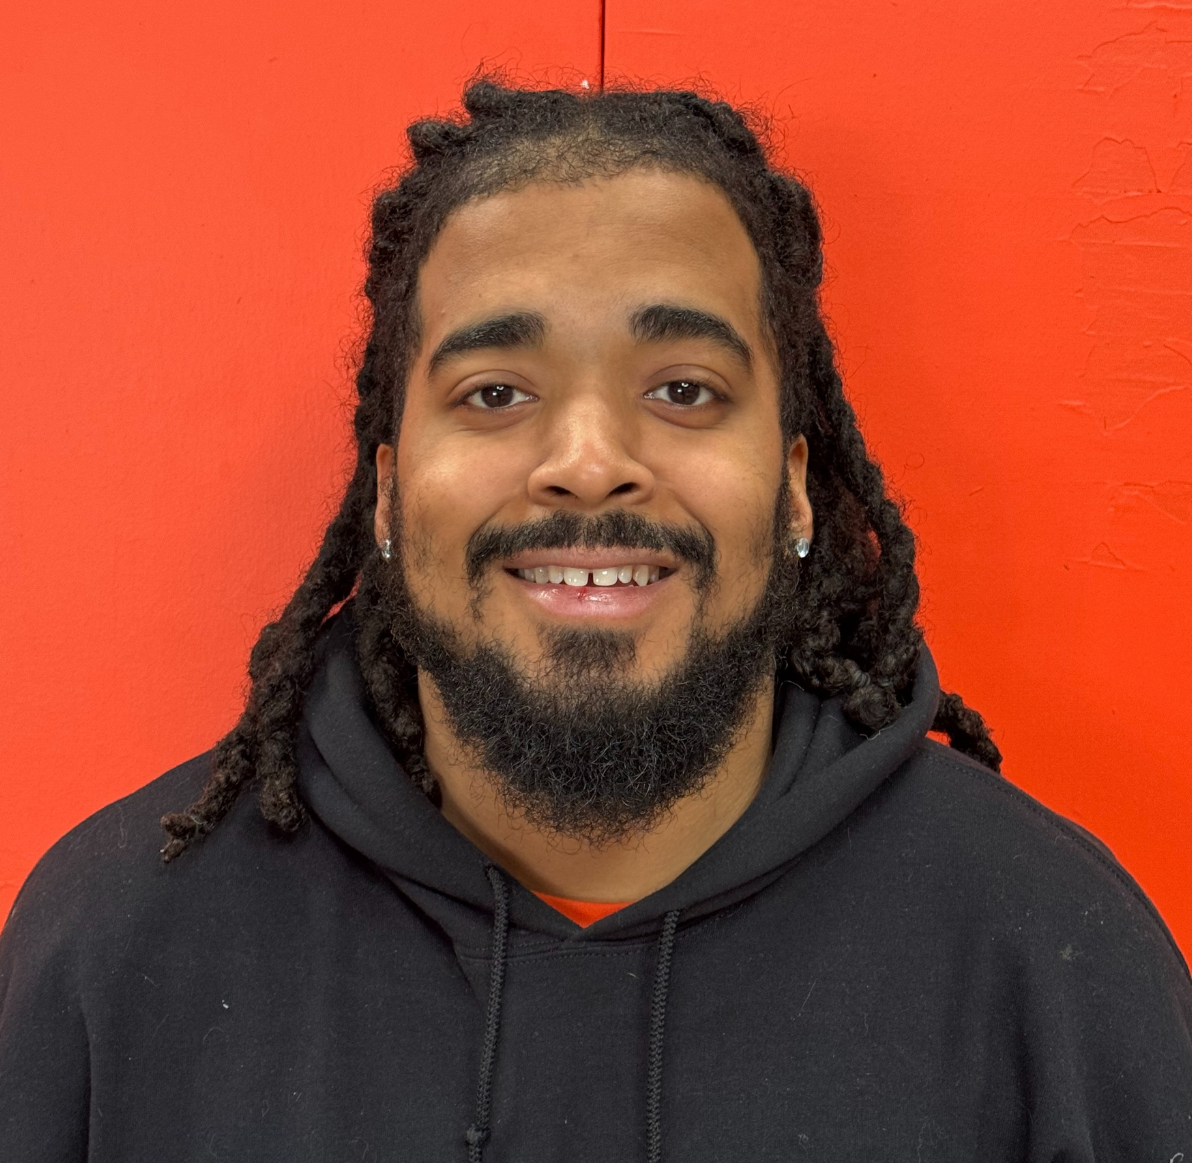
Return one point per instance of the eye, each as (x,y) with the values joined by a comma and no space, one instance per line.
(685,393)
(495,396)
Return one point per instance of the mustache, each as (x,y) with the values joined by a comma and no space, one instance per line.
(616,529)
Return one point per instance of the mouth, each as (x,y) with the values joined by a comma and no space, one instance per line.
(586,584)
(636,574)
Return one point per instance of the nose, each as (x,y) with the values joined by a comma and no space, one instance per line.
(590,457)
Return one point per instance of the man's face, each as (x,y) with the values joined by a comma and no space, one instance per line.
(587,350)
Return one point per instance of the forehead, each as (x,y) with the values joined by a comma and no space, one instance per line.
(578,251)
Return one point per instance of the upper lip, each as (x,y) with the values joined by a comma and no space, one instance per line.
(578,558)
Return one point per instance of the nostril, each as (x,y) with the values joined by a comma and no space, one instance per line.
(627,487)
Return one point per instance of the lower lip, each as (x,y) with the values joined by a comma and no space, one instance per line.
(611,602)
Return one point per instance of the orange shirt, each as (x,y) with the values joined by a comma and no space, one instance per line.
(583,913)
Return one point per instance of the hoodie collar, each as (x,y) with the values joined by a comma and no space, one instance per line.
(821,770)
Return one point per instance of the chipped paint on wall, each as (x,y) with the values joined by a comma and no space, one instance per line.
(1136,249)
(1102,557)
(1174,5)
(1172,498)
(1137,283)
(1115,63)
(1119,169)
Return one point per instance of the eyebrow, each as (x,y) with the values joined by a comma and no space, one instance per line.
(661,322)
(518,329)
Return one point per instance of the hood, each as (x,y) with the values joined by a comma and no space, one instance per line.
(821,769)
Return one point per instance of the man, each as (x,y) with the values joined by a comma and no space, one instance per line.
(596,817)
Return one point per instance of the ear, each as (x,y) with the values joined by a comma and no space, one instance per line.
(802,518)
(381,519)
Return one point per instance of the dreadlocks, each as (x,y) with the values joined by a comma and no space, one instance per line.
(853,635)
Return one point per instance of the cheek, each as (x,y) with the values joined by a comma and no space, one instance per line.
(436,521)
(735,499)
(419,528)
(448,487)
(428,493)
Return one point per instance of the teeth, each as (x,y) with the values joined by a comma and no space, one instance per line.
(642,575)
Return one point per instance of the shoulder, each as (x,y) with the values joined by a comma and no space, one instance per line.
(104,883)
(91,870)
(1005,855)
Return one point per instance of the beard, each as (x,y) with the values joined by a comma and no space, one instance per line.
(580,749)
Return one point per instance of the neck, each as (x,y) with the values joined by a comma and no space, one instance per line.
(626,870)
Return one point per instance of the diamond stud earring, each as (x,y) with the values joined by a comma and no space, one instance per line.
(802,547)
(387,549)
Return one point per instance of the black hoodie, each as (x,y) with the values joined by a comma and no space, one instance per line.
(893,955)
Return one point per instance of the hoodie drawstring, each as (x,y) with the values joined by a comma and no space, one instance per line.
(477,1134)
(666,948)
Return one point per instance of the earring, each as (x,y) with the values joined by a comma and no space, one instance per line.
(387,549)
(802,547)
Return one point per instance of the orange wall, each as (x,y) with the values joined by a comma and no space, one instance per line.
(1008,195)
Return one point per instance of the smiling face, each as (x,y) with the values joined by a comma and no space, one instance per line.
(592,351)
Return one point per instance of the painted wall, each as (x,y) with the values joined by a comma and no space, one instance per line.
(1008,197)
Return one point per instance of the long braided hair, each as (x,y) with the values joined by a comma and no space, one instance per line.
(854,632)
